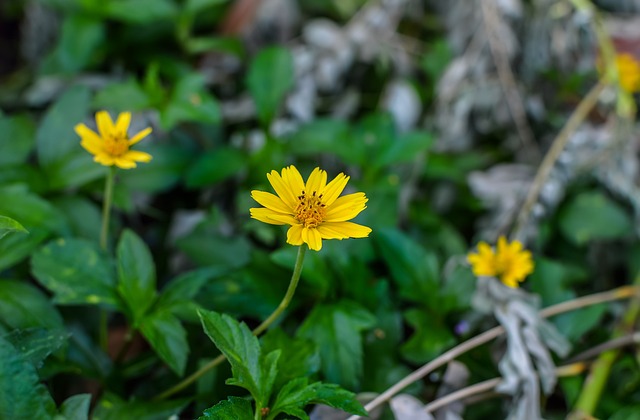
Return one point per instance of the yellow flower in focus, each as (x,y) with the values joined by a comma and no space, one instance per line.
(628,72)
(510,263)
(111,145)
(314,210)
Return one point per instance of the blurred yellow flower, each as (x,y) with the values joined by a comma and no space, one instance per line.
(111,145)
(628,72)
(510,263)
(314,210)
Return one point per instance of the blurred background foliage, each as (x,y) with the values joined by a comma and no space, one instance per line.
(402,95)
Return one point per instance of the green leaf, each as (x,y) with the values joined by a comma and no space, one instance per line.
(436,59)
(33,211)
(233,408)
(336,329)
(122,96)
(215,166)
(269,78)
(24,306)
(414,269)
(7,225)
(163,172)
(229,45)
(76,407)
(430,337)
(36,344)
(404,148)
(141,11)
(83,216)
(593,216)
(21,130)
(112,407)
(231,252)
(76,272)
(190,102)
(181,290)
(168,338)
(299,356)
(298,393)
(79,43)
(136,274)
(252,370)
(319,136)
(21,394)
(14,248)
(197,6)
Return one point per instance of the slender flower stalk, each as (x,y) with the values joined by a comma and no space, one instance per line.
(509,262)
(286,300)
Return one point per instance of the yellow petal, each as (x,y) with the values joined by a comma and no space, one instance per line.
(104,159)
(333,189)
(312,238)
(294,180)
(144,133)
(137,156)
(122,123)
(272,217)
(123,163)
(316,182)
(350,229)
(327,231)
(105,125)
(294,235)
(282,189)
(91,146)
(346,207)
(271,201)
(87,134)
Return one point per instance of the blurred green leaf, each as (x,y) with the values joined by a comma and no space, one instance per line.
(122,96)
(299,356)
(252,369)
(404,148)
(315,270)
(163,172)
(184,288)
(196,6)
(112,407)
(320,136)
(35,344)
(17,137)
(141,11)
(190,102)
(229,251)
(298,393)
(430,337)
(205,44)
(436,59)
(414,269)
(215,166)
(24,306)
(269,78)
(168,338)
(233,408)
(79,42)
(593,216)
(336,330)
(15,248)
(8,225)
(76,272)
(136,275)
(33,211)
(22,396)
(76,407)
(82,215)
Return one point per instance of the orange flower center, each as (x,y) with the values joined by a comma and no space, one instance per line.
(116,146)
(310,210)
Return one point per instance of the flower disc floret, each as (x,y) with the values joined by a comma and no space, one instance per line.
(314,209)
(509,261)
(112,145)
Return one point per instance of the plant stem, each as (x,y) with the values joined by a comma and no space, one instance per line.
(104,234)
(624,292)
(286,300)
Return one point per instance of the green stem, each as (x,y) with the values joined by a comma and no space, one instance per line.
(597,379)
(104,233)
(286,300)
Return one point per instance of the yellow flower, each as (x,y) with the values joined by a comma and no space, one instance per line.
(112,145)
(628,72)
(510,263)
(314,210)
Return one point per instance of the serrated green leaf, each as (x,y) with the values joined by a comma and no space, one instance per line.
(17,136)
(76,272)
(414,269)
(7,225)
(233,408)
(136,274)
(593,216)
(76,407)
(252,370)
(24,306)
(336,330)
(112,407)
(168,338)
(215,166)
(299,356)
(36,344)
(430,337)
(298,393)
(21,394)
(269,78)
